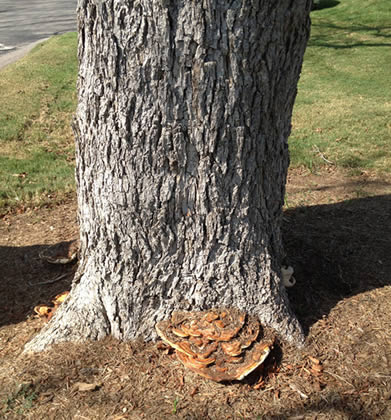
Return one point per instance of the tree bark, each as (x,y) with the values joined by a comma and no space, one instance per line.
(181,139)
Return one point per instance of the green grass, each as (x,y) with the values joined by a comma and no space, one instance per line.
(38,101)
(20,401)
(31,178)
(342,112)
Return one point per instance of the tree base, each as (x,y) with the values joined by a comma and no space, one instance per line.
(84,316)
(79,318)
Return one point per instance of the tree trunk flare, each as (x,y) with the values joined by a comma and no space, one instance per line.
(181,141)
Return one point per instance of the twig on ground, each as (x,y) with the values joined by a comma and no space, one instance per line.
(50,281)
(295,388)
(338,377)
(316,148)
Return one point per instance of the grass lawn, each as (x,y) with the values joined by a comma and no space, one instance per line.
(343,107)
(341,116)
(38,100)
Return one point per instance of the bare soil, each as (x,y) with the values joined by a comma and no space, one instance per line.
(337,230)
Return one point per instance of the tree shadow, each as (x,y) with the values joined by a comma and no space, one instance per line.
(337,250)
(334,404)
(328,36)
(22,270)
(324,4)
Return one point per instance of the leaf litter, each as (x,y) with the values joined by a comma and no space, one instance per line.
(338,241)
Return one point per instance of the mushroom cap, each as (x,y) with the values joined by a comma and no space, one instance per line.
(59,299)
(45,311)
(61,253)
(221,345)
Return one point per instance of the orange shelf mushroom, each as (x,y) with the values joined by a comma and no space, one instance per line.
(45,311)
(221,345)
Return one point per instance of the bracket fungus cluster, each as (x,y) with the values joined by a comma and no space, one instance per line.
(45,311)
(221,345)
(61,254)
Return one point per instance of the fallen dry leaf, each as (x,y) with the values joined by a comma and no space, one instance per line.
(84,387)
(181,380)
(387,395)
(259,384)
(317,386)
(315,373)
(193,391)
(314,360)
(21,175)
(317,368)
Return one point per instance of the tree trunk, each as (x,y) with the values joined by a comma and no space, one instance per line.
(181,136)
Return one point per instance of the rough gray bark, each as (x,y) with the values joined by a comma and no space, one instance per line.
(181,133)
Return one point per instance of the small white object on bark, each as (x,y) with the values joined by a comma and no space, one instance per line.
(287,276)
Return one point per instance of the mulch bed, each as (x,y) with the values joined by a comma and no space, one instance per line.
(339,244)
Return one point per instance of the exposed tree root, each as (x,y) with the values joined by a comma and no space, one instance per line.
(79,318)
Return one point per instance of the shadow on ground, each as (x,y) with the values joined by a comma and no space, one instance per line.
(28,280)
(365,36)
(333,405)
(324,4)
(337,250)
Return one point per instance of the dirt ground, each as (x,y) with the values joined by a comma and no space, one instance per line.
(337,231)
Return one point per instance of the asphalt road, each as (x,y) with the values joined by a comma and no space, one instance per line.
(23,23)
